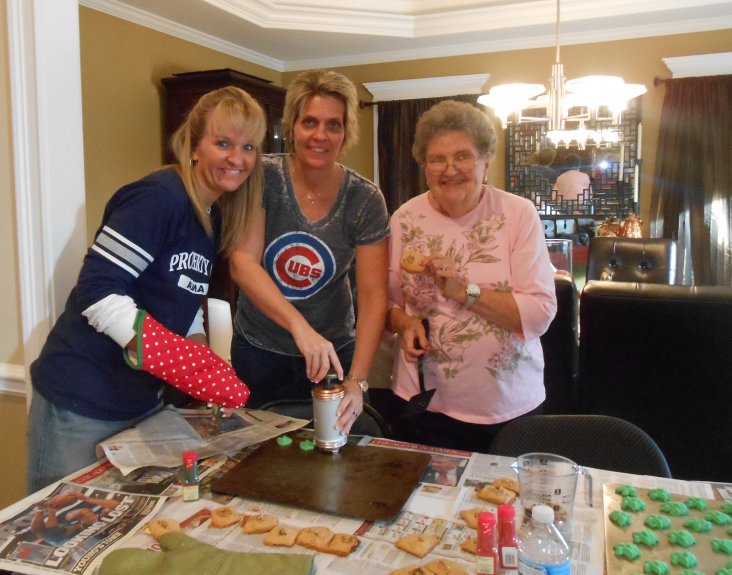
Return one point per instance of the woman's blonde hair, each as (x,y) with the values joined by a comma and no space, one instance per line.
(217,112)
(450,116)
(321,83)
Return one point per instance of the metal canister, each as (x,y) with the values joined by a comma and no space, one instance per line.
(327,396)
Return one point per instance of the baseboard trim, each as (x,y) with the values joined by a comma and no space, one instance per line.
(12,380)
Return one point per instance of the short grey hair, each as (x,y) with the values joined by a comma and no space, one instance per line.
(449,116)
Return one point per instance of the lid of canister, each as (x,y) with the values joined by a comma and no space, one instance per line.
(506,511)
(542,513)
(486,518)
(189,457)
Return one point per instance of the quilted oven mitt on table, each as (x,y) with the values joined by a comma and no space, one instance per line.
(183,555)
(188,366)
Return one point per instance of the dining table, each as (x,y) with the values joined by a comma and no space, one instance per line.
(447,485)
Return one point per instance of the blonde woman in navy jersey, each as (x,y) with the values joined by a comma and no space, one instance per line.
(145,276)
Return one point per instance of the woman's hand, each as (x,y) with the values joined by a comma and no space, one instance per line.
(415,342)
(350,406)
(444,274)
(319,353)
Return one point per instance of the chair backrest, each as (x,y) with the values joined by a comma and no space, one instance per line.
(561,349)
(660,356)
(632,260)
(596,441)
(369,422)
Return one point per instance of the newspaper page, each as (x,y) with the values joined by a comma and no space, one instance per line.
(70,528)
(161,440)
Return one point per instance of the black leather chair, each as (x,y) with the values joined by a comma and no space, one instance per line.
(597,441)
(369,422)
(561,351)
(632,260)
(660,356)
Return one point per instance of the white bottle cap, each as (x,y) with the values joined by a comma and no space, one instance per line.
(542,513)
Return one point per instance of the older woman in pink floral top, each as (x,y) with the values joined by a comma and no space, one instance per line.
(487,289)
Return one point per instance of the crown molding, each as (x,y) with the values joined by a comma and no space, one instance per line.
(431,21)
(137,16)
(700,65)
(427,87)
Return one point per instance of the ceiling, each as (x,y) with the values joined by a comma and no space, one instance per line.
(287,35)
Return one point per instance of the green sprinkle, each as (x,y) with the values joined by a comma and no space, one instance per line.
(307,445)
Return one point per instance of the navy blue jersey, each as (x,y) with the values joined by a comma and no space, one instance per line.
(151,247)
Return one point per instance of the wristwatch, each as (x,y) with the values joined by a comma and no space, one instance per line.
(472,291)
(362,382)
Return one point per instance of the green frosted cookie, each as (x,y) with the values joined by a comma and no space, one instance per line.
(620,518)
(307,445)
(675,509)
(693,572)
(722,546)
(726,508)
(718,518)
(284,441)
(681,538)
(725,570)
(632,504)
(657,522)
(696,503)
(698,525)
(656,567)
(684,559)
(645,538)
(626,550)
(626,491)
(659,495)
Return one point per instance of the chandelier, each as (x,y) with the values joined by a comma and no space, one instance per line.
(571,108)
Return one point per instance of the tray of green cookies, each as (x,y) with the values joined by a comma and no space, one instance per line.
(656,532)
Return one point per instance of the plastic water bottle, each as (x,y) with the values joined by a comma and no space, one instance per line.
(541,548)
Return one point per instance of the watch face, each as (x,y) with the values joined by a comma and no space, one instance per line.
(472,290)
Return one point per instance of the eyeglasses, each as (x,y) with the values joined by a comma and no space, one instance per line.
(461,162)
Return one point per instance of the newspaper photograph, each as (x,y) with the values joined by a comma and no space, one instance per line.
(70,529)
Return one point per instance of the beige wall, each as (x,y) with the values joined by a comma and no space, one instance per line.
(12,409)
(122,132)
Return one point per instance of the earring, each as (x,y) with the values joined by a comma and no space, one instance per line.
(193,163)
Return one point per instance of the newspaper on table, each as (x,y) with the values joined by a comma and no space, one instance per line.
(70,528)
(161,439)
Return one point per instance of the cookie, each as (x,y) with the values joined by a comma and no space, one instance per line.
(444,567)
(282,536)
(470,545)
(412,262)
(223,517)
(497,495)
(417,544)
(159,527)
(470,516)
(507,483)
(316,538)
(342,544)
(251,524)
(410,570)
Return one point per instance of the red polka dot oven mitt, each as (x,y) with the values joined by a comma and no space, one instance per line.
(191,367)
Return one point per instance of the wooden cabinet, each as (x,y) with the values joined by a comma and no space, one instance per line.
(182,91)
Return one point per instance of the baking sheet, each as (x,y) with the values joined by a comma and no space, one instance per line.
(368,482)
(709,561)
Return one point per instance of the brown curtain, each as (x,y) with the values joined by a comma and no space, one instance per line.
(692,188)
(400,177)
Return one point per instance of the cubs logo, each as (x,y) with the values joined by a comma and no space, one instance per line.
(299,263)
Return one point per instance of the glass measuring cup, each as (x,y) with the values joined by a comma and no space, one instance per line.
(550,479)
